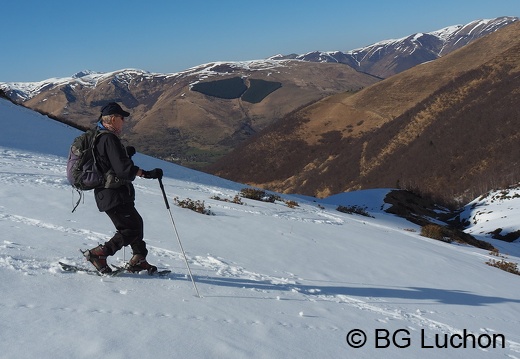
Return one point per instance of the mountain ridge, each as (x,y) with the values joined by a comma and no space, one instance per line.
(197,116)
(452,37)
(389,57)
(411,130)
(173,118)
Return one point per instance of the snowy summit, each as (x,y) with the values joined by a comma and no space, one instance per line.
(275,281)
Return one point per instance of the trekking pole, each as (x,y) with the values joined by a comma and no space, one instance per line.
(177,235)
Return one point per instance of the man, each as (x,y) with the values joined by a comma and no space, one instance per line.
(117,197)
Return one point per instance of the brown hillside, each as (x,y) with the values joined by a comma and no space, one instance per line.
(170,120)
(448,127)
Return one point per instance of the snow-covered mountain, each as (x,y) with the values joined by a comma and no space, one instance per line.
(193,116)
(173,119)
(389,57)
(275,281)
(373,59)
(23,91)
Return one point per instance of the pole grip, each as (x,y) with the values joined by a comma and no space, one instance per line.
(164,194)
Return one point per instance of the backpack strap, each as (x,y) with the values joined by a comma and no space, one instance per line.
(110,178)
(81,196)
(97,134)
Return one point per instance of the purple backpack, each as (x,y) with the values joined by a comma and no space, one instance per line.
(82,170)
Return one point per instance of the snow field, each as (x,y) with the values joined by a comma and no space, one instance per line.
(275,282)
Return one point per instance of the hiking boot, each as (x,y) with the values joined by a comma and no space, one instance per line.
(138,263)
(98,257)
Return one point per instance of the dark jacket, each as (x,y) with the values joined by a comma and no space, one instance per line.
(112,158)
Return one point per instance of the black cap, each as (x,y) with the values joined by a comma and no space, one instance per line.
(113,109)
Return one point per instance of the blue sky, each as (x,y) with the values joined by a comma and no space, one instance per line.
(56,38)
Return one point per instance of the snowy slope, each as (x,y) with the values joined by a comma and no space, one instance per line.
(275,282)
(493,211)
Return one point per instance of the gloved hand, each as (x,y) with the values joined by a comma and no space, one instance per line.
(130,151)
(153,174)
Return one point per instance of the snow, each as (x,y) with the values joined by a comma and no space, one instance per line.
(276,282)
(28,90)
(446,32)
(494,210)
(443,34)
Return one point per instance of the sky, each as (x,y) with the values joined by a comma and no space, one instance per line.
(46,39)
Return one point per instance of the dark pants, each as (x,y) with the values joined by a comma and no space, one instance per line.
(129,225)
